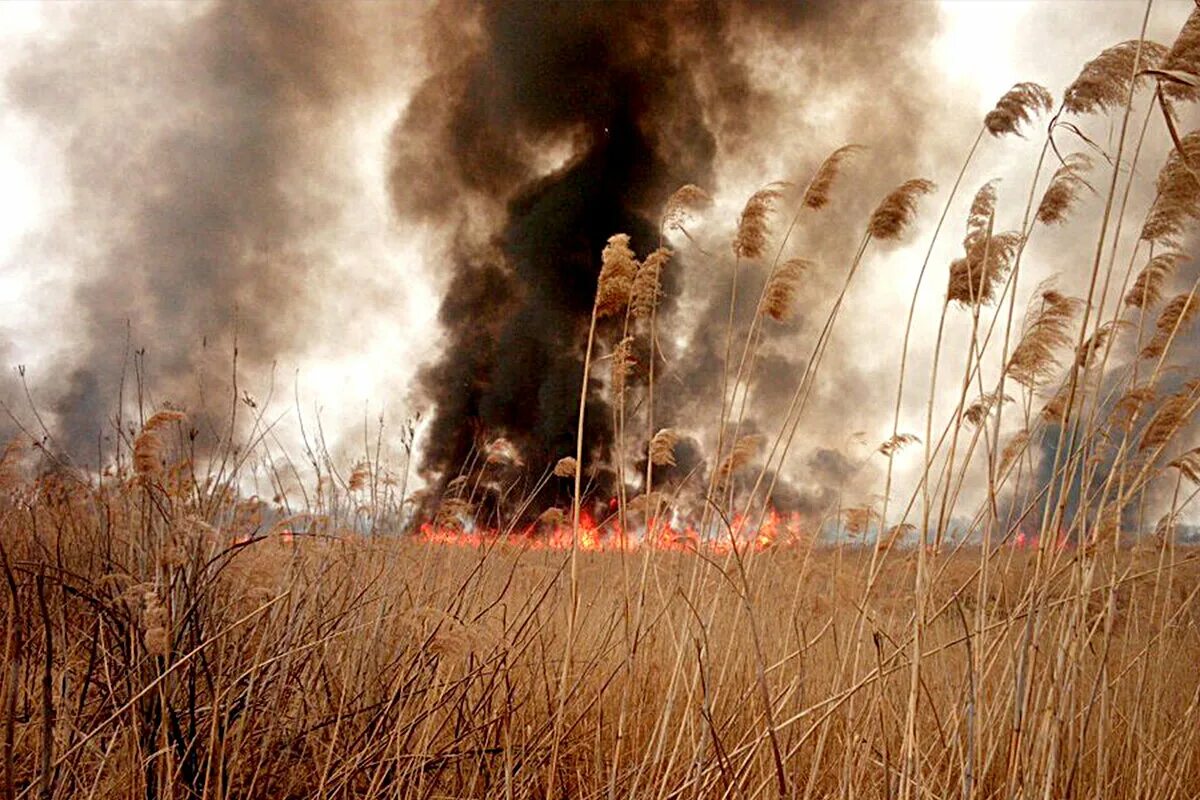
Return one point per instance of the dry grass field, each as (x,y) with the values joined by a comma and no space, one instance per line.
(154,656)
(1019,622)
(150,655)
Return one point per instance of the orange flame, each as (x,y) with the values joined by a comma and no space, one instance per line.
(776,530)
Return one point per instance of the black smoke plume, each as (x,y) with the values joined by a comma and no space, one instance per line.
(641,98)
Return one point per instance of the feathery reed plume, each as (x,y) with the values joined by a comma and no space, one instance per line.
(1103,83)
(896,443)
(453,513)
(970,282)
(1184,56)
(1055,410)
(975,277)
(686,200)
(981,212)
(645,503)
(1085,355)
(1130,404)
(622,365)
(983,406)
(359,476)
(617,271)
(1147,287)
(1171,416)
(894,534)
(1178,196)
(1177,313)
(898,209)
(1017,107)
(551,518)
(647,284)
(857,520)
(1012,449)
(782,287)
(566,467)
(816,196)
(1188,465)
(743,451)
(1033,359)
(751,238)
(662,447)
(1064,189)
(502,451)
(148,445)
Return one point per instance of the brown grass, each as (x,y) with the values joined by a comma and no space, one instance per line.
(344,666)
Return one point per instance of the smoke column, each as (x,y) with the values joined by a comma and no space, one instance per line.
(641,98)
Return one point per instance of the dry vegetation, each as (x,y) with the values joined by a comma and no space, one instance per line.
(166,637)
(153,656)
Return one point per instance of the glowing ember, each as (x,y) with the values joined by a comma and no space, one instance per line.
(776,530)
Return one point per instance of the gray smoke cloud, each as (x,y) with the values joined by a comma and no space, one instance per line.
(192,140)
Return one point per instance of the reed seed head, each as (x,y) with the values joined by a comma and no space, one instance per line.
(149,447)
(898,209)
(621,366)
(1064,189)
(1184,56)
(686,200)
(1085,355)
(779,299)
(897,442)
(975,277)
(1103,83)
(816,196)
(1178,196)
(503,452)
(752,234)
(647,284)
(742,454)
(981,408)
(662,447)
(1019,105)
(1046,332)
(1188,465)
(1174,413)
(1176,314)
(1013,448)
(618,268)
(1148,286)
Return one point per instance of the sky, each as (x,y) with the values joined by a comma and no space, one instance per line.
(362,320)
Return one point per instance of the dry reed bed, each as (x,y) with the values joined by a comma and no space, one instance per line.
(346,667)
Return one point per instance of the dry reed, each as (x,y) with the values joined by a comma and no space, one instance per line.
(779,297)
(897,211)
(1017,107)
(1104,82)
